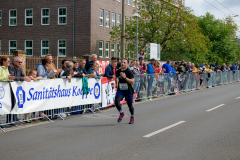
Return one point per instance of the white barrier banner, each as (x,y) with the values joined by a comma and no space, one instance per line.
(108,92)
(53,93)
(5,98)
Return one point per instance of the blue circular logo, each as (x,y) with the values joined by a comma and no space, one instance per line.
(96,90)
(2,92)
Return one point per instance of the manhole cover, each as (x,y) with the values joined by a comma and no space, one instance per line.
(103,116)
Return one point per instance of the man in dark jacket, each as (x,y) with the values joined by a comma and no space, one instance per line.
(111,68)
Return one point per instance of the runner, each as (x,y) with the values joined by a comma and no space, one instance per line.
(124,81)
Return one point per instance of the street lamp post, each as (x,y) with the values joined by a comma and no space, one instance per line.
(136,15)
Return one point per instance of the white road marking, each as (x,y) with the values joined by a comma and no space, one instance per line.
(215,107)
(238,98)
(163,129)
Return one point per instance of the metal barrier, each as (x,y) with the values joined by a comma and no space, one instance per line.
(156,85)
(147,86)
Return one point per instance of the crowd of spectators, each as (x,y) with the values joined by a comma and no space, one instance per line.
(151,73)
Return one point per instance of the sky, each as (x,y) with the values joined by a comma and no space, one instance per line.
(227,7)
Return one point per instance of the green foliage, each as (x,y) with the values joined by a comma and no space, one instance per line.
(221,35)
(180,33)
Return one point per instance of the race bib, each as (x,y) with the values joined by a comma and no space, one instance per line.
(123,86)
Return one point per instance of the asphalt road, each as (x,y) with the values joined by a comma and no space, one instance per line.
(202,125)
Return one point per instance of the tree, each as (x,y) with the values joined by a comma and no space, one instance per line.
(222,37)
(174,27)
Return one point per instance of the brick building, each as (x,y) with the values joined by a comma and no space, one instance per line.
(62,28)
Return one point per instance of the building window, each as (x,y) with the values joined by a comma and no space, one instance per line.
(113,20)
(29,47)
(112,50)
(0,18)
(28,17)
(12,17)
(101,17)
(119,0)
(107,50)
(62,48)
(118,50)
(12,46)
(100,48)
(107,18)
(44,47)
(45,16)
(62,16)
(134,3)
(129,2)
(118,20)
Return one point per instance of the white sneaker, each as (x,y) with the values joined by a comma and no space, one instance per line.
(63,115)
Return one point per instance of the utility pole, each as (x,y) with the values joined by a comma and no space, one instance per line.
(123,31)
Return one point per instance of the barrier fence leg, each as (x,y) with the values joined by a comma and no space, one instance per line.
(2,128)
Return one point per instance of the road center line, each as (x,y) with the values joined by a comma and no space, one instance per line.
(238,98)
(215,107)
(163,129)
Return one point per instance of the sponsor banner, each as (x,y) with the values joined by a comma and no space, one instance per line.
(5,98)
(53,93)
(102,66)
(108,92)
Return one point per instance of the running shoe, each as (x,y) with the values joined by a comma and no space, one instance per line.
(131,120)
(121,117)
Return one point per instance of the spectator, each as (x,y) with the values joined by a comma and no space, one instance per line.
(137,79)
(94,70)
(81,68)
(160,82)
(201,65)
(118,65)
(76,72)
(182,63)
(111,69)
(44,71)
(212,65)
(52,66)
(141,54)
(16,70)
(172,67)
(90,63)
(64,69)
(4,73)
(132,67)
(143,70)
(156,67)
(69,73)
(150,72)
(33,75)
(167,66)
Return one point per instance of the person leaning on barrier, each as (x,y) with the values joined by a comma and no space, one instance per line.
(43,70)
(94,70)
(82,69)
(69,72)
(4,73)
(33,75)
(150,73)
(16,70)
(52,66)
(64,62)
(111,69)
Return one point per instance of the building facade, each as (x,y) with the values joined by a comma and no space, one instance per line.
(61,28)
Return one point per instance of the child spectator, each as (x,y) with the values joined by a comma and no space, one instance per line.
(33,75)
(94,70)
